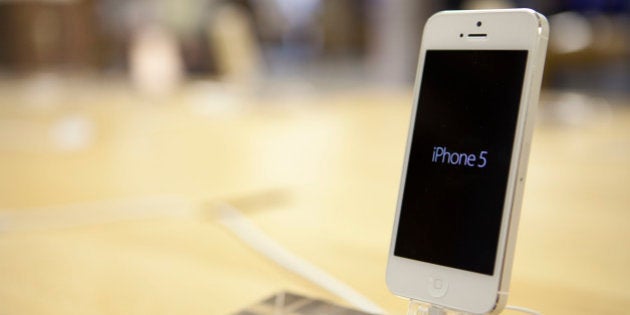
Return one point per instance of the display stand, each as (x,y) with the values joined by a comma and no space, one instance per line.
(422,308)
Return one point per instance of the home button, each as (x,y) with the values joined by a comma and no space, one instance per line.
(437,287)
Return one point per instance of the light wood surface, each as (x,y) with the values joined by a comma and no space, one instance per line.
(316,171)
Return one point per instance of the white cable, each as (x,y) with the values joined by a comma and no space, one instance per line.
(522,309)
(250,234)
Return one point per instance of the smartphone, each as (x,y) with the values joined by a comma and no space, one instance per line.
(476,92)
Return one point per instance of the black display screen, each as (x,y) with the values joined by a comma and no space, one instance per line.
(458,166)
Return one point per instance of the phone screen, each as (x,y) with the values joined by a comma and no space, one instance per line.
(460,155)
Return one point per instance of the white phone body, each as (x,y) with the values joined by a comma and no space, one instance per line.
(448,286)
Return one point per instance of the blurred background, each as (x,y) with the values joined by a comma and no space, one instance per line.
(159,45)
(121,121)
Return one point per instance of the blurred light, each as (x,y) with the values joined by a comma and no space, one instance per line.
(298,12)
(69,133)
(570,32)
(72,133)
(578,109)
(155,61)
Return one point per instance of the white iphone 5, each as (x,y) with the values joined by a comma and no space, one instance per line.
(476,92)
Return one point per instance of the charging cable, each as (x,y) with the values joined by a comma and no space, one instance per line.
(251,235)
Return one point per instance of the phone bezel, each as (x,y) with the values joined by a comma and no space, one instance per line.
(514,29)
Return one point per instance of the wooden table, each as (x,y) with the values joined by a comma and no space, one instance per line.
(316,171)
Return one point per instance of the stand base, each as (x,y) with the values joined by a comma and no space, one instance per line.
(422,308)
